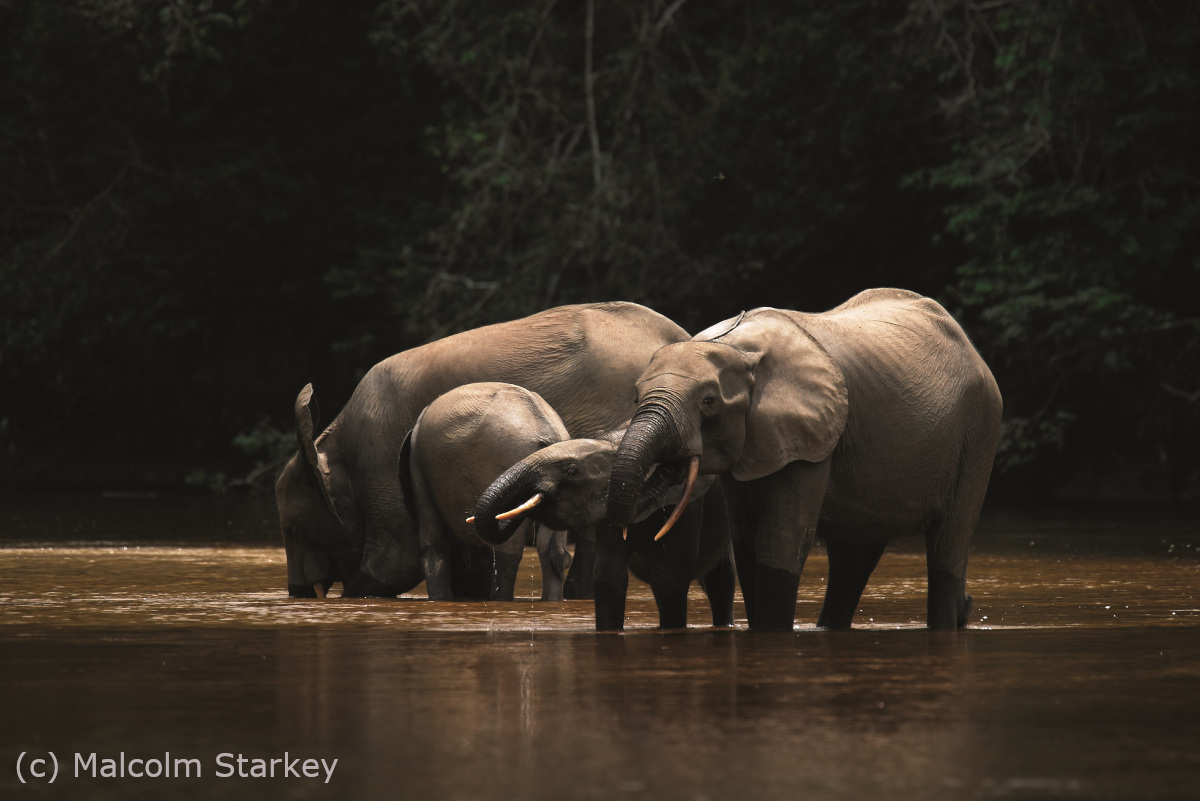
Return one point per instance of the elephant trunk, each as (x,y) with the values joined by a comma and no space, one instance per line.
(651,438)
(511,497)
(309,570)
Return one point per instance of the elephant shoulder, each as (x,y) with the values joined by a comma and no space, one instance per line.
(880,295)
(624,319)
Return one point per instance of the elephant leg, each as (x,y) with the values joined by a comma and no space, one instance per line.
(948,540)
(746,562)
(743,527)
(673,565)
(789,503)
(850,565)
(579,584)
(436,562)
(506,566)
(947,549)
(436,543)
(471,572)
(554,559)
(389,566)
(718,585)
(611,578)
(672,605)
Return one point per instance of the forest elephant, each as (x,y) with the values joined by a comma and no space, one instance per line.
(460,444)
(873,421)
(565,485)
(341,508)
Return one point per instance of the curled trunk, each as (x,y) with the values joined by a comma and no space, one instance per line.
(650,439)
(513,488)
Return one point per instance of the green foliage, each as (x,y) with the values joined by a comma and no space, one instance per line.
(1072,174)
(209,203)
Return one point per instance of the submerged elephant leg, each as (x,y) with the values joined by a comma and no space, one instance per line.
(718,585)
(554,559)
(611,578)
(672,605)
(436,547)
(387,568)
(948,539)
(579,583)
(789,503)
(504,575)
(506,565)
(746,562)
(471,572)
(745,559)
(850,565)
(673,562)
(436,564)
(946,554)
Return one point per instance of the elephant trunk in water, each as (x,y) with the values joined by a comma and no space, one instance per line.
(651,439)
(503,505)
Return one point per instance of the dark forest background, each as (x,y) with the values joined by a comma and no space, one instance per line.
(205,204)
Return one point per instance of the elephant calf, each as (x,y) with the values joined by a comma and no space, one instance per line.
(459,445)
(565,485)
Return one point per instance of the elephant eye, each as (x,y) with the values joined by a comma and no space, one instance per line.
(572,471)
(709,400)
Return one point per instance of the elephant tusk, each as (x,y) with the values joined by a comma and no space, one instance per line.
(624,532)
(471,520)
(522,509)
(693,471)
(319,588)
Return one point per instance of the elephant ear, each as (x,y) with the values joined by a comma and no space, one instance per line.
(405,471)
(798,405)
(307,414)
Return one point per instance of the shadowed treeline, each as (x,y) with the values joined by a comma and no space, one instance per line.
(205,205)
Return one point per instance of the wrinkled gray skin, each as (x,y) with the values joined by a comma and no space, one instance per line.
(341,509)
(572,478)
(873,421)
(461,443)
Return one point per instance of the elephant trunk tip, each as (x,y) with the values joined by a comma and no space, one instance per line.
(505,504)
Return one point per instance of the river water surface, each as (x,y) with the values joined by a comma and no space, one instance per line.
(134,627)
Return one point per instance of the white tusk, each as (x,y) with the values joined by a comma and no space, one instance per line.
(624,532)
(522,509)
(693,471)
(470,519)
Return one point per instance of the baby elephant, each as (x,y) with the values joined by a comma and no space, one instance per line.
(459,445)
(565,485)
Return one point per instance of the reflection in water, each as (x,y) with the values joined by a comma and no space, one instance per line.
(1083,682)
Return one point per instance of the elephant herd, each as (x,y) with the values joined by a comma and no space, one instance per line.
(673,457)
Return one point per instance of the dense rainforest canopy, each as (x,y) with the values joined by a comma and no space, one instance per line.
(206,204)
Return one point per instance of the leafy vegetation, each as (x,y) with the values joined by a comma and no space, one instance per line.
(209,203)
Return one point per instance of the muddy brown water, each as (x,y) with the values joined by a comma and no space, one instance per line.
(136,627)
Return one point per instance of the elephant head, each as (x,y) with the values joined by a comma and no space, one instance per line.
(747,396)
(562,486)
(315,536)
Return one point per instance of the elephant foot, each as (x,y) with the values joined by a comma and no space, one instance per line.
(672,613)
(610,609)
(949,606)
(964,615)
(776,606)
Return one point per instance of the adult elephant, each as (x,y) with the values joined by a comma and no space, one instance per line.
(460,444)
(341,508)
(565,485)
(872,421)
